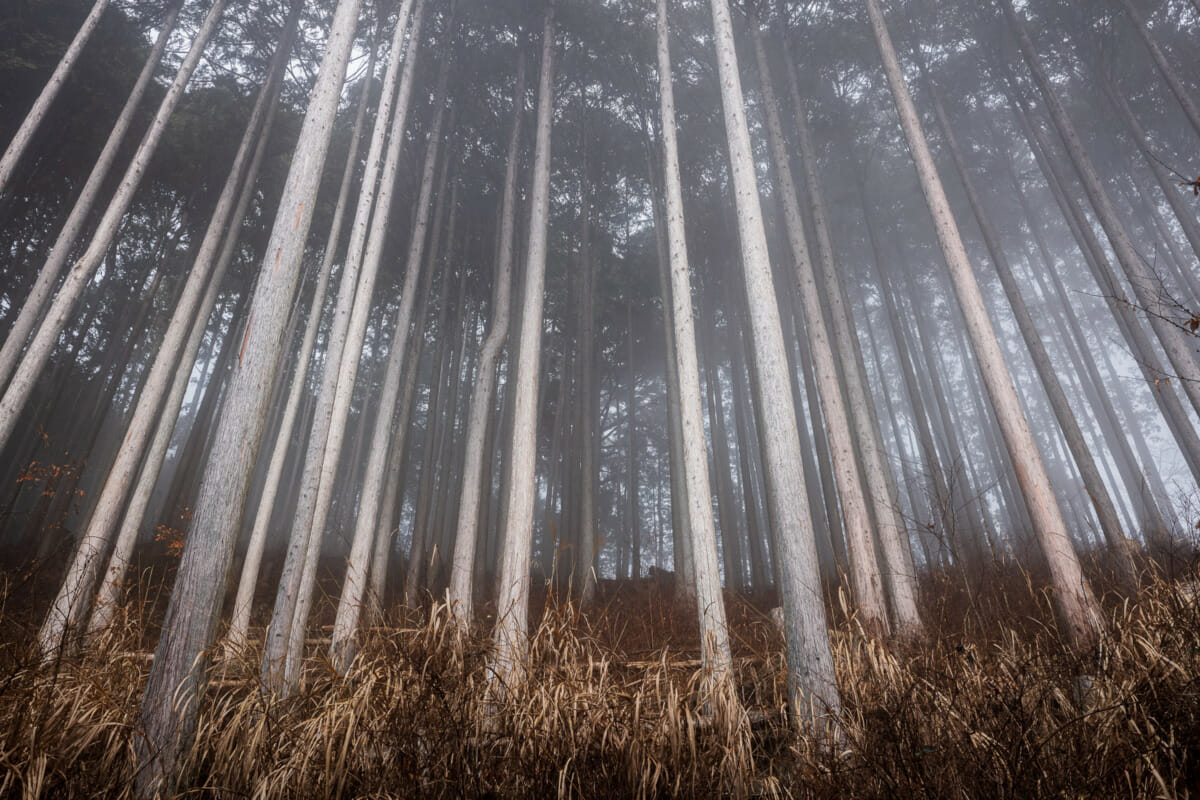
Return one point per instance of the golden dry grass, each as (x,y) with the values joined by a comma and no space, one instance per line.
(992,706)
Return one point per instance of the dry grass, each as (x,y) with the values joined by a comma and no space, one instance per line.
(991,706)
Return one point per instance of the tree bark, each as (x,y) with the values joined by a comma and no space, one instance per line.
(1093,483)
(1077,606)
(811,680)
(167,719)
(342,357)
(512,609)
(466,538)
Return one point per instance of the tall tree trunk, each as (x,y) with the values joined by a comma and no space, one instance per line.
(47,279)
(252,561)
(701,534)
(588,546)
(860,534)
(681,526)
(1093,483)
(474,492)
(512,609)
(899,574)
(167,720)
(812,683)
(33,119)
(635,523)
(1076,604)
(343,353)
(1185,214)
(16,395)
(1173,411)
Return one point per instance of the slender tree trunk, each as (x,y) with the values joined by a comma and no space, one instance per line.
(702,537)
(343,352)
(512,610)
(1077,606)
(588,547)
(635,523)
(1093,483)
(681,526)
(1180,351)
(35,302)
(899,575)
(860,533)
(175,354)
(33,119)
(252,562)
(1185,213)
(1169,404)
(812,682)
(473,492)
(16,395)
(167,720)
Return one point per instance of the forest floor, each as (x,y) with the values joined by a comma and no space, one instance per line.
(991,704)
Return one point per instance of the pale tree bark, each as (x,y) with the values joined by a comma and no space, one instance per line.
(166,384)
(860,535)
(460,600)
(379,564)
(1077,606)
(1093,483)
(702,536)
(24,135)
(43,287)
(167,719)
(226,224)
(354,586)
(681,537)
(899,573)
(343,351)
(511,636)
(811,680)
(1164,67)
(635,523)
(1180,349)
(239,623)
(16,395)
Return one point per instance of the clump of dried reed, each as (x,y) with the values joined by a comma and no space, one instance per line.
(998,708)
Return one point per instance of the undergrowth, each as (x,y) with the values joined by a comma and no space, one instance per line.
(991,705)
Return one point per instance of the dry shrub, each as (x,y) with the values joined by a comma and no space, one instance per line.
(988,708)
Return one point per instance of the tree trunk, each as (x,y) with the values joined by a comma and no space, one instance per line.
(812,682)
(860,535)
(33,119)
(1093,483)
(343,352)
(473,490)
(1164,67)
(512,609)
(1076,604)
(167,719)
(252,561)
(1179,349)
